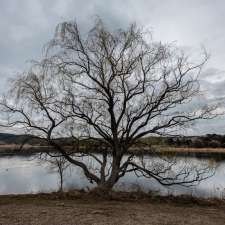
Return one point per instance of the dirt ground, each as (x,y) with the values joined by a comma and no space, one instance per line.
(54,210)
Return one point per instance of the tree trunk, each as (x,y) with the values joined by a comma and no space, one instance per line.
(61,181)
(107,185)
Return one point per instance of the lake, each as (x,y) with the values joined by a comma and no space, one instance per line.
(25,174)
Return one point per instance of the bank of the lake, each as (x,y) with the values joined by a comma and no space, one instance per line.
(77,208)
(214,153)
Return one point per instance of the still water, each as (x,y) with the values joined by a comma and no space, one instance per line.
(20,175)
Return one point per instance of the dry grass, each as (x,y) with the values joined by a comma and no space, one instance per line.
(26,147)
(187,149)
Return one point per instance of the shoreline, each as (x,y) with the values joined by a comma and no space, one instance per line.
(214,153)
(133,196)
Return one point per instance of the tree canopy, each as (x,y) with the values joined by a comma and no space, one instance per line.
(114,87)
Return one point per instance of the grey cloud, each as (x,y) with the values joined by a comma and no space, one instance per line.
(213,74)
(27,25)
(212,83)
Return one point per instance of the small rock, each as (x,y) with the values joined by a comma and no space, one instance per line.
(61,204)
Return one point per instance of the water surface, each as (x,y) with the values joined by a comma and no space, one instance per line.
(21,175)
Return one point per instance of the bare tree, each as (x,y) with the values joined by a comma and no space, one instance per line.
(112,87)
(56,164)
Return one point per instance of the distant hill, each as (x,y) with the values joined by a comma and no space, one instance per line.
(205,141)
(209,140)
(6,138)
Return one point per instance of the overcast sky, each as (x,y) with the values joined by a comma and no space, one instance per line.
(26,25)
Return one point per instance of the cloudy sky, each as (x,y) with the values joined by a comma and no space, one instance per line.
(26,25)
